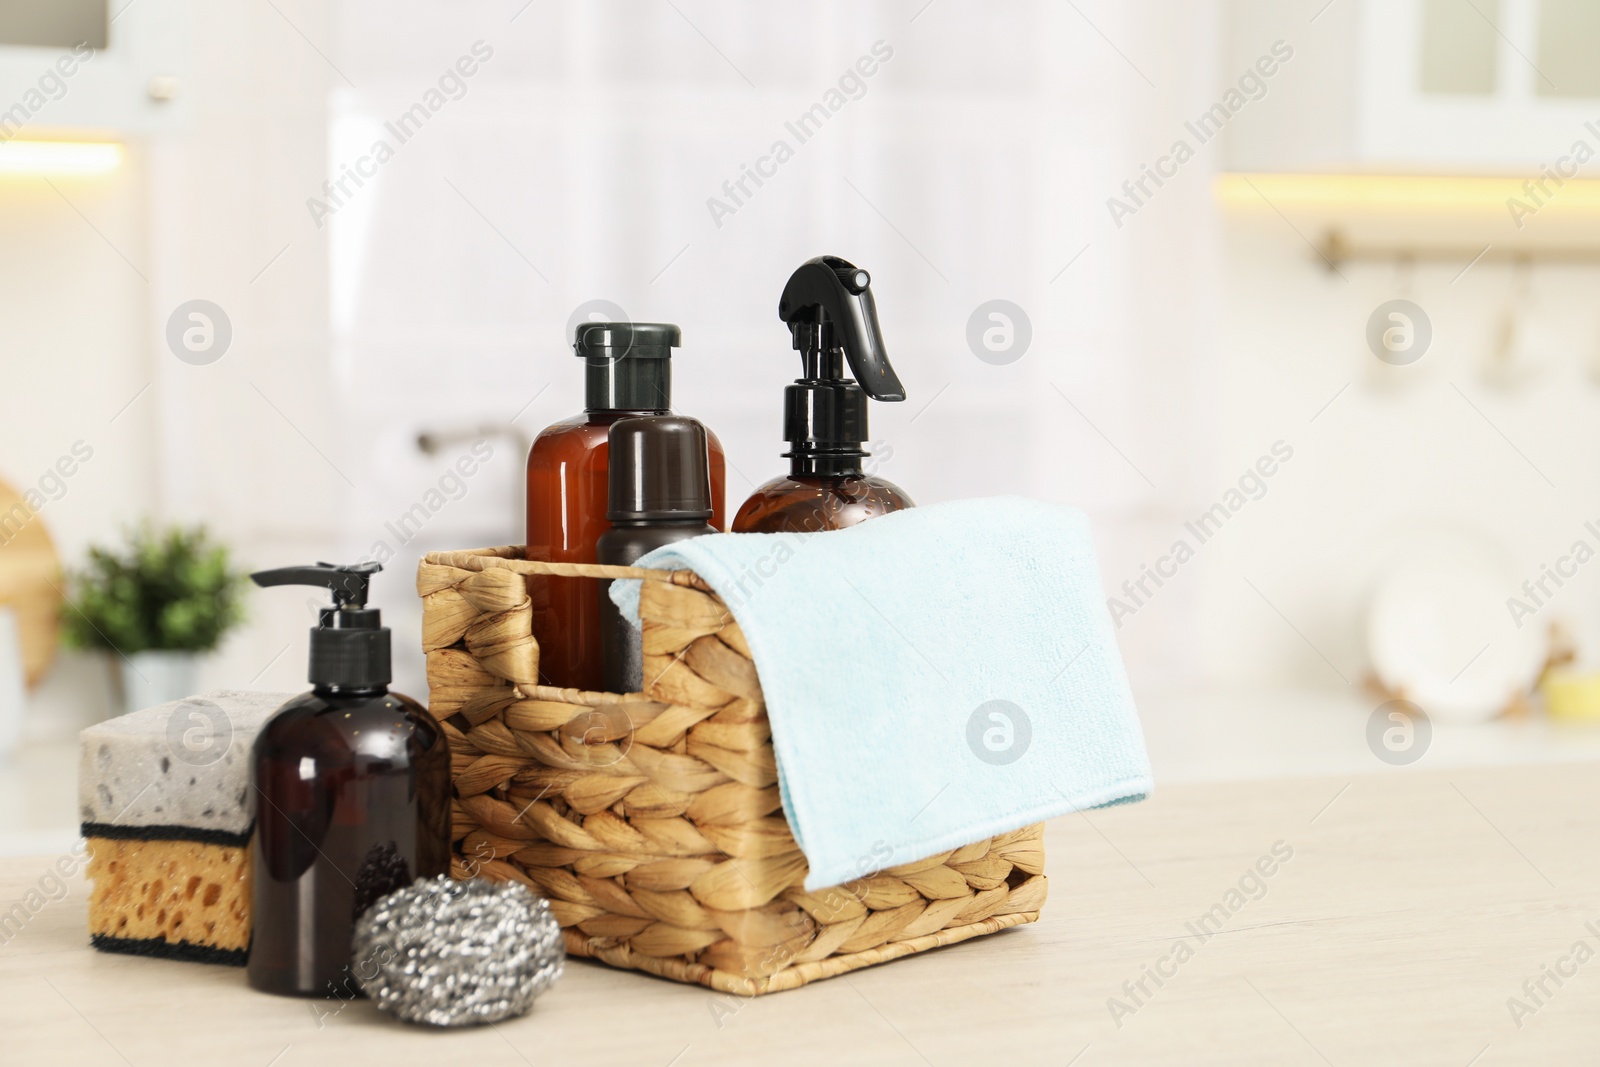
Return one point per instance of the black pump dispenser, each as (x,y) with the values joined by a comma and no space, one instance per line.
(350,646)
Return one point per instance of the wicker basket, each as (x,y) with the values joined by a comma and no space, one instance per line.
(652,820)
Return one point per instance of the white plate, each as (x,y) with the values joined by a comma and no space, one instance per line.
(1439,634)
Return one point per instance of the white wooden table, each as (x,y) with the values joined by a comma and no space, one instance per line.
(1414,907)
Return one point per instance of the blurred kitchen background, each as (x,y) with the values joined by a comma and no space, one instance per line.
(1195,213)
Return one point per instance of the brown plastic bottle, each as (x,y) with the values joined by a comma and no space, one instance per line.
(829,307)
(660,494)
(353,803)
(627,372)
(352,789)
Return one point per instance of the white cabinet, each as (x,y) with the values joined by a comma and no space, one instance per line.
(134,86)
(1436,86)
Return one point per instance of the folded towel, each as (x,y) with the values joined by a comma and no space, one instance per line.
(933,677)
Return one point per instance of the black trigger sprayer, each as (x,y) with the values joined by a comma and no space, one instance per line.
(833,320)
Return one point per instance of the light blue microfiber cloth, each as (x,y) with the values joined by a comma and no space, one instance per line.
(933,677)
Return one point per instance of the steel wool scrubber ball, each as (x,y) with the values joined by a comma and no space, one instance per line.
(449,953)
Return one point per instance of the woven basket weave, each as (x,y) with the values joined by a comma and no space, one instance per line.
(652,820)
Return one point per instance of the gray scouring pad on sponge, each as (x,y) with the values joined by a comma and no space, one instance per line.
(164,796)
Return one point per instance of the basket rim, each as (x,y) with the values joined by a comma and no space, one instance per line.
(512,558)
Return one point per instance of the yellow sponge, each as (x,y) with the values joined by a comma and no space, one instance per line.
(166,806)
(177,899)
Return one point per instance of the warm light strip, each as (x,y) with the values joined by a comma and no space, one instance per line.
(59,157)
(1410,193)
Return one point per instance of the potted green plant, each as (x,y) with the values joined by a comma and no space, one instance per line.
(154,606)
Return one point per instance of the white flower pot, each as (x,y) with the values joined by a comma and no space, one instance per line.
(151,678)
(13,687)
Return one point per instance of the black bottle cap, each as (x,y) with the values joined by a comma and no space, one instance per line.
(627,365)
(825,416)
(658,470)
(350,646)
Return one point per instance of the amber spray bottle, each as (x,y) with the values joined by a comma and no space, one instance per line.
(627,372)
(833,318)
(352,796)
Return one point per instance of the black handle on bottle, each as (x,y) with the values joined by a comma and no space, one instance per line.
(828,304)
(347,581)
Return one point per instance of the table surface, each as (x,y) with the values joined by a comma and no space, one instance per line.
(1402,927)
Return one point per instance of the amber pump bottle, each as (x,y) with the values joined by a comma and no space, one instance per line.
(352,797)
(831,314)
(627,372)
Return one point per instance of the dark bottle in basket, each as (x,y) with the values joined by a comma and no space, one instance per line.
(659,492)
(627,372)
(831,314)
(352,798)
